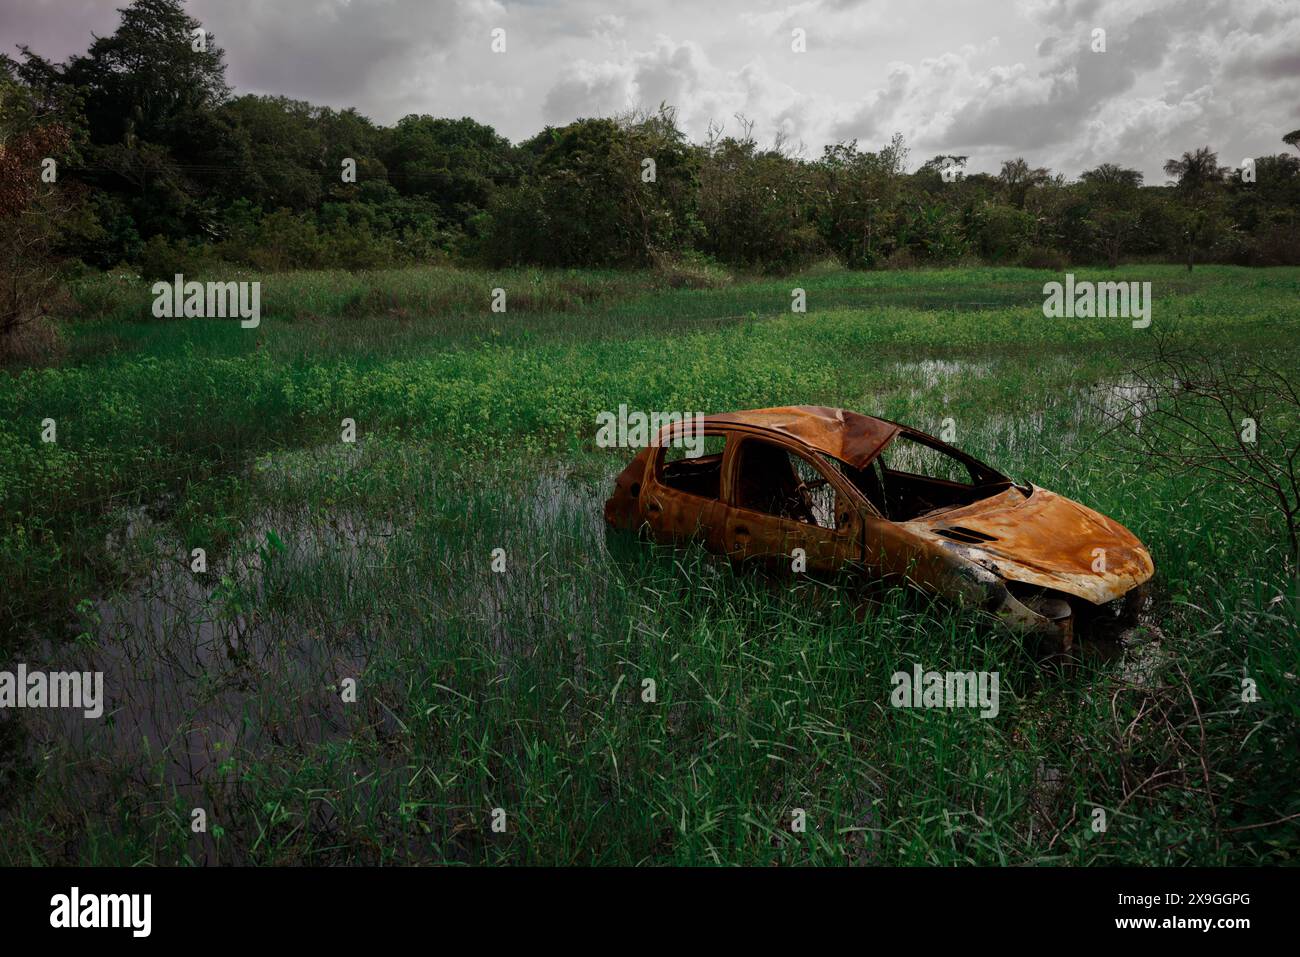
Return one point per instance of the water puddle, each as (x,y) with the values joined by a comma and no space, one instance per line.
(204,671)
(934,372)
(200,668)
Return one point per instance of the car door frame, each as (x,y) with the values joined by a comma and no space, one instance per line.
(675,516)
(751,535)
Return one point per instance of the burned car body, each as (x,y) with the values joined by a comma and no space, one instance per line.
(853,491)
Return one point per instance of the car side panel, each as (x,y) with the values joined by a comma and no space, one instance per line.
(676,517)
(896,553)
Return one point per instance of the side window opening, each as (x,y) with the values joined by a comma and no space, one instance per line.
(918,479)
(906,454)
(777,482)
(700,476)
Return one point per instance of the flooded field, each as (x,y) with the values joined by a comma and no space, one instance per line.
(418,647)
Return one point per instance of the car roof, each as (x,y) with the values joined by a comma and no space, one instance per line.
(848,436)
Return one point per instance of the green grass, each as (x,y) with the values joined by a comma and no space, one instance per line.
(522,690)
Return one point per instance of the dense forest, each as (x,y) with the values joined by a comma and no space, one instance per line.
(137,154)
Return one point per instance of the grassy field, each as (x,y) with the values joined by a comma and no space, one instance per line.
(371,561)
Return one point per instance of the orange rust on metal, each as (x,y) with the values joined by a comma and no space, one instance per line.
(847,436)
(817,479)
(1051,541)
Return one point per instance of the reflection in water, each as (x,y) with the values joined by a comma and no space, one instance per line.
(207,672)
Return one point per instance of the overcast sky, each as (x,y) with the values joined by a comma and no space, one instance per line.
(988,78)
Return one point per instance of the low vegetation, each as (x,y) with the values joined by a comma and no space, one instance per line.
(329,561)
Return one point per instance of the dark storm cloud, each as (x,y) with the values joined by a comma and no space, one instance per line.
(1030,115)
(330,52)
(323,51)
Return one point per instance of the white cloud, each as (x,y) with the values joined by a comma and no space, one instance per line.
(985,77)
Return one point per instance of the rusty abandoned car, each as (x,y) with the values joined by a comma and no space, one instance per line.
(861,493)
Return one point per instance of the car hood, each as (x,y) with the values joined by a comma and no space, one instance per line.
(1043,539)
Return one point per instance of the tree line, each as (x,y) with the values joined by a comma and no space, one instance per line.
(161,167)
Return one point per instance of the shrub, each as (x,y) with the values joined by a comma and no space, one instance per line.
(901,259)
(1277,245)
(1002,231)
(690,271)
(161,259)
(754,207)
(1041,258)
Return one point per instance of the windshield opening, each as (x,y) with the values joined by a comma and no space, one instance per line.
(912,477)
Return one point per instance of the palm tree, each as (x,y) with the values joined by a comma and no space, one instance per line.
(1108,174)
(1195,174)
(1195,170)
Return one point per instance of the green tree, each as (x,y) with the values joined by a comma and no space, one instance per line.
(150,76)
(754,203)
(1198,218)
(1267,210)
(599,192)
(32,209)
(1113,197)
(155,140)
(280,151)
(1017,178)
(456,164)
(857,201)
